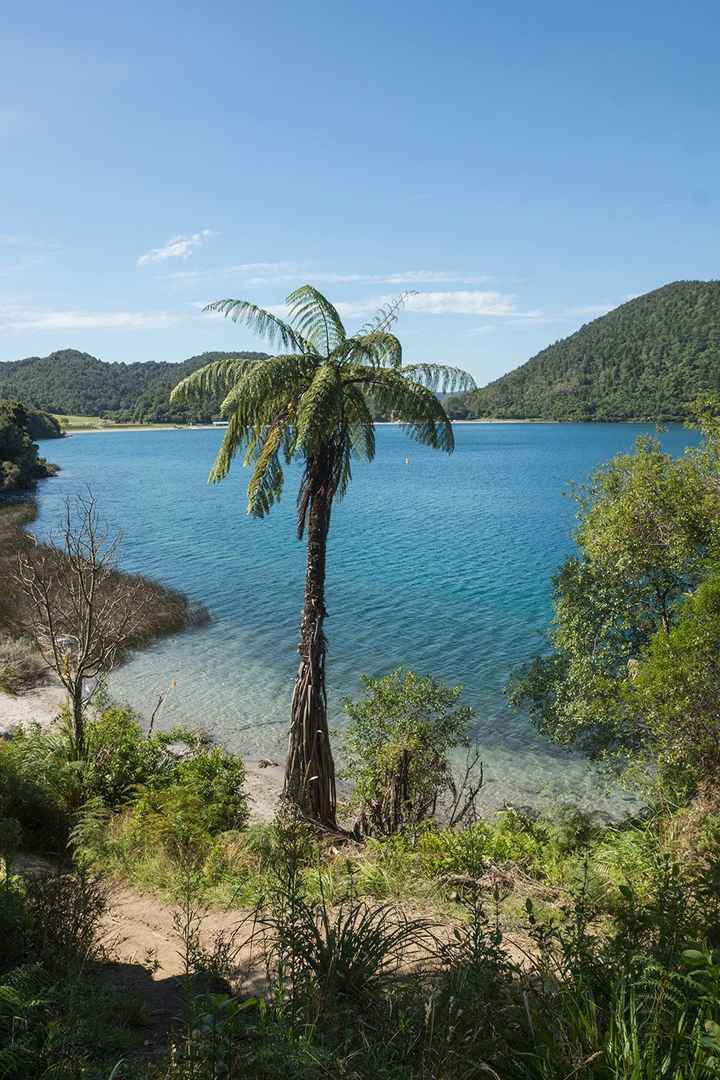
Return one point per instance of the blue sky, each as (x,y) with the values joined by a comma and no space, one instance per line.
(524,166)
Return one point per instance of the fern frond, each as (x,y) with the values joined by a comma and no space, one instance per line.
(360,423)
(266,483)
(414,405)
(439,377)
(212,379)
(236,435)
(379,348)
(316,319)
(387,314)
(280,376)
(320,409)
(263,322)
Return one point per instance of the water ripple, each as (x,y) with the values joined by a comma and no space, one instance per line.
(443,565)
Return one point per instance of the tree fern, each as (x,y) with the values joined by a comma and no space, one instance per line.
(313,402)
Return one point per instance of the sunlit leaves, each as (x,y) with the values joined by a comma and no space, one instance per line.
(439,377)
(212,380)
(316,319)
(263,322)
(313,400)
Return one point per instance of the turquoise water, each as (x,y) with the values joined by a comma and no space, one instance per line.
(442,564)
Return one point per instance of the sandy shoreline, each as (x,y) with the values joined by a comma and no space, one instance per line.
(142,427)
(215,427)
(40,705)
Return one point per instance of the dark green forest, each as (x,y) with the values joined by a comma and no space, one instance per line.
(69,382)
(647,359)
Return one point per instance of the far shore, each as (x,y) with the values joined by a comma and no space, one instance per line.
(217,427)
(140,427)
(378,423)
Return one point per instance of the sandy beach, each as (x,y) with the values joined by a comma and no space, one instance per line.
(41,705)
(141,427)
(216,427)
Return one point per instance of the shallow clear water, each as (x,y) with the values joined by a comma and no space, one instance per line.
(442,564)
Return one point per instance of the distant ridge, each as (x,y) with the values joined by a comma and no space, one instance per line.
(646,359)
(69,382)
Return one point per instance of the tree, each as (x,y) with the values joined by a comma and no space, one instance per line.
(20,464)
(311,402)
(649,535)
(80,613)
(675,690)
(398,745)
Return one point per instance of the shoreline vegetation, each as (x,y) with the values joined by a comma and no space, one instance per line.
(156,928)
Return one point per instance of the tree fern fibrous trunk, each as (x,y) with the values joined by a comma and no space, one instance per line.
(310,770)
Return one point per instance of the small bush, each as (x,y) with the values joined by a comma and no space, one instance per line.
(65,911)
(398,745)
(217,779)
(30,800)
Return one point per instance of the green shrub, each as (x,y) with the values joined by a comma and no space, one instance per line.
(217,779)
(122,756)
(28,799)
(398,745)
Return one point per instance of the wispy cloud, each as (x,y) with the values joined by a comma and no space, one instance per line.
(452,302)
(463,302)
(180,247)
(289,273)
(582,313)
(17,318)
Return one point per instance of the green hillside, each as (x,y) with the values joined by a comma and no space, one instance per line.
(72,382)
(646,359)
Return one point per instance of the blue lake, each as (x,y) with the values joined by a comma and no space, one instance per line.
(442,564)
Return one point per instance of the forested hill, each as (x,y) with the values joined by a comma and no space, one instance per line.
(71,382)
(646,359)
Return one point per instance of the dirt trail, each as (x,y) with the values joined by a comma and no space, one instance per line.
(145,948)
(144,930)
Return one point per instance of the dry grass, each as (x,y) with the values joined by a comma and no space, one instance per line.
(20,665)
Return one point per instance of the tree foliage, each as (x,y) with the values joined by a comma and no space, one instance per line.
(633,667)
(649,358)
(20,463)
(69,382)
(399,744)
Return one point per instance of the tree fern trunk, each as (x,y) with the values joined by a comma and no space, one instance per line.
(310,770)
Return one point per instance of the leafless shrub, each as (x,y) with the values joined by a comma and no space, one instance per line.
(80,613)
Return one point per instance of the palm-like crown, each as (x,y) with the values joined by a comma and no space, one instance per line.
(314,396)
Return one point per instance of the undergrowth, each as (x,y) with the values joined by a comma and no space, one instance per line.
(519,947)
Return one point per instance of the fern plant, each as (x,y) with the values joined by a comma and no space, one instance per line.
(312,402)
